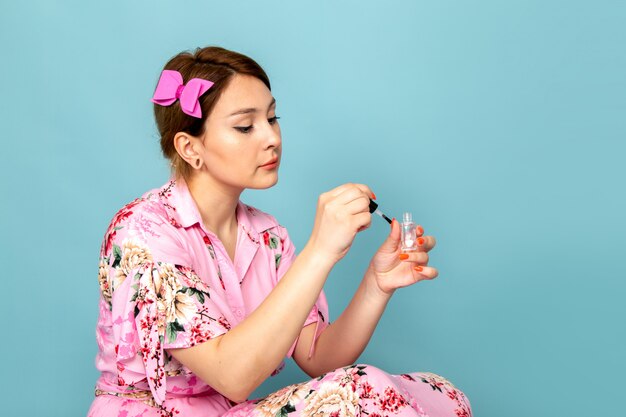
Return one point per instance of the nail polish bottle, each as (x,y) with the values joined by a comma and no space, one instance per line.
(409,235)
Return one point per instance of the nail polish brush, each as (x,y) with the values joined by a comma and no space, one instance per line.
(374,209)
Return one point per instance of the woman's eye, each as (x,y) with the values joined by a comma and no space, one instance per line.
(244,129)
(247,129)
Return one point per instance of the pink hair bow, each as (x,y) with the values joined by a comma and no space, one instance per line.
(171,88)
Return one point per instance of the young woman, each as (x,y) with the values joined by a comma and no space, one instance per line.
(203,297)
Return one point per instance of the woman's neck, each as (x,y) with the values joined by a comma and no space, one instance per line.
(217,203)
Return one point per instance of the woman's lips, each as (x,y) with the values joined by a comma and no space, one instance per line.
(271,164)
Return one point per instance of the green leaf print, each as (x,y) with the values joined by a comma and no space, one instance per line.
(171,330)
(285,410)
(117,256)
(136,294)
(192,291)
(273,242)
(278,257)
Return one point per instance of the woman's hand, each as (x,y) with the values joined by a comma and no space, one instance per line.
(393,269)
(341,214)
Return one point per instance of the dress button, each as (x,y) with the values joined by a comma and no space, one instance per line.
(239,313)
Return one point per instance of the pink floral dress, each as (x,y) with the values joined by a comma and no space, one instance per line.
(167,282)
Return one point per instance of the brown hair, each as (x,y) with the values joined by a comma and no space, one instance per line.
(211,63)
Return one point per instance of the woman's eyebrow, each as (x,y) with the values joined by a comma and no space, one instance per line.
(251,109)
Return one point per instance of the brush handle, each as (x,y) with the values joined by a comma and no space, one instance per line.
(373,209)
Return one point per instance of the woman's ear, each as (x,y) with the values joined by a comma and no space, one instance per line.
(188,148)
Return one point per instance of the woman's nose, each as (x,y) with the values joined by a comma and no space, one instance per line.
(273,137)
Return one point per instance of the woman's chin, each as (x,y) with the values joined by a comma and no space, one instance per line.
(264,183)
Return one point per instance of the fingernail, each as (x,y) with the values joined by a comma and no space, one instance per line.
(403,256)
(420,241)
(420,230)
(373,196)
(418,268)
(392,222)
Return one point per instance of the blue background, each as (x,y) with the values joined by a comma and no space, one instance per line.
(500,125)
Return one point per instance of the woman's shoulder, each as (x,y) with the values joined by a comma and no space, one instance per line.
(153,204)
(142,216)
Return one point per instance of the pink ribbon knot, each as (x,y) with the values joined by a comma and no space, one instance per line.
(171,88)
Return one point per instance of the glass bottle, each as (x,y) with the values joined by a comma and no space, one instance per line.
(409,234)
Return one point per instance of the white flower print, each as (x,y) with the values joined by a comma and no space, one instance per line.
(181,309)
(272,404)
(103,279)
(134,254)
(332,398)
(175,304)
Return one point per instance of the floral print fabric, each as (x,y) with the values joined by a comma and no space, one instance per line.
(361,390)
(167,282)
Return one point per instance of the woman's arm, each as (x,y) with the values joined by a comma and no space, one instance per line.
(237,362)
(342,342)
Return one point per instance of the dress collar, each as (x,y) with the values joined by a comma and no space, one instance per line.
(183,211)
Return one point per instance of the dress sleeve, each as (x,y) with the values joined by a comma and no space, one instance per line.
(156,302)
(319,312)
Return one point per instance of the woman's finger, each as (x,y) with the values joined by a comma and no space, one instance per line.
(368,192)
(358,205)
(426,243)
(364,188)
(416,257)
(361,221)
(425,272)
(348,195)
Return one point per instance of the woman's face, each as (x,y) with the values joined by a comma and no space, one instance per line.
(242,141)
